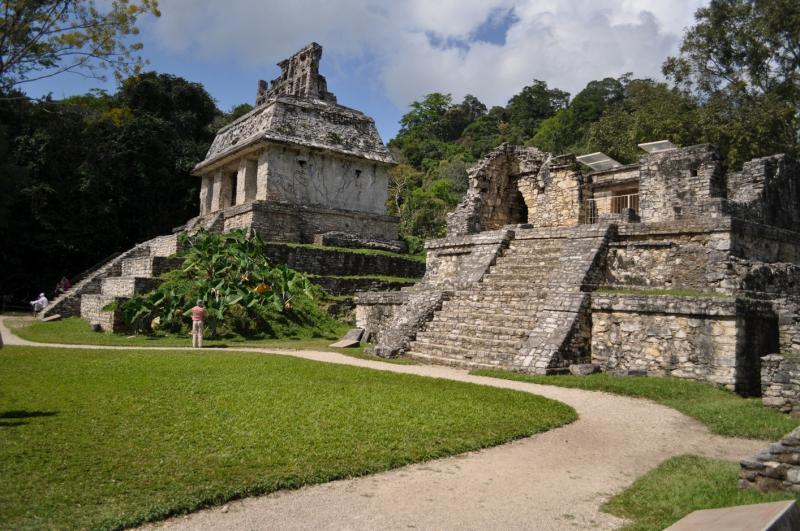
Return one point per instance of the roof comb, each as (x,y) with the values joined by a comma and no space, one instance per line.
(658,146)
(598,161)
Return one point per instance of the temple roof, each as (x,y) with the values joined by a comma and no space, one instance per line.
(301,122)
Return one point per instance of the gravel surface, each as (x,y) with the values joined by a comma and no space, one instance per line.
(554,480)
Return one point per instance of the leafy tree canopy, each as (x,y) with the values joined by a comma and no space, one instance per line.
(44,38)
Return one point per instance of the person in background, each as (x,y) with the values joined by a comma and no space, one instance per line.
(39,304)
(199,314)
(63,285)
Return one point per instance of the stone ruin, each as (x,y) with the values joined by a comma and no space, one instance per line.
(671,266)
(298,168)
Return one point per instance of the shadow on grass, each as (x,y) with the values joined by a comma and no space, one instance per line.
(18,415)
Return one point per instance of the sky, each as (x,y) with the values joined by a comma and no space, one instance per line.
(381,55)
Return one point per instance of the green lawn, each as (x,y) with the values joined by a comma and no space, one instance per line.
(76,331)
(722,411)
(107,439)
(679,486)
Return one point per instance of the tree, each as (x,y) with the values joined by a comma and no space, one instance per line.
(744,45)
(649,111)
(44,38)
(741,61)
(533,104)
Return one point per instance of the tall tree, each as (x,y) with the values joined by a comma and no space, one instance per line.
(741,60)
(44,38)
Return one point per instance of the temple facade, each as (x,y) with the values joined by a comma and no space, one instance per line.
(299,166)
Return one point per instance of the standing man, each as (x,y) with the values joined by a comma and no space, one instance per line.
(199,314)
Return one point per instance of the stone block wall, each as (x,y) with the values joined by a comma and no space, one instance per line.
(375,309)
(720,341)
(767,191)
(672,255)
(557,197)
(777,467)
(681,183)
(275,221)
(331,262)
(460,261)
(780,382)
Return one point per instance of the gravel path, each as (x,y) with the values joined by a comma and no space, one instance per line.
(555,480)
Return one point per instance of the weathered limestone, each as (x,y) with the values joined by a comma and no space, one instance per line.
(520,185)
(709,339)
(299,77)
(777,467)
(298,150)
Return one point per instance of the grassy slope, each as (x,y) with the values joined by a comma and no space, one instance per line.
(114,438)
(722,411)
(679,486)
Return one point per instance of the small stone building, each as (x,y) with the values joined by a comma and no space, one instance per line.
(672,266)
(298,166)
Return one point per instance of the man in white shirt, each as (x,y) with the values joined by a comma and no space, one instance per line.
(40,303)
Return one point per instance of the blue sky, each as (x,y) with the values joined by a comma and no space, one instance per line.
(381,55)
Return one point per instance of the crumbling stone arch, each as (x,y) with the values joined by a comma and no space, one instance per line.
(515,184)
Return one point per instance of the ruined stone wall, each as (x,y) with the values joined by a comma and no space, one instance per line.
(460,261)
(332,262)
(681,183)
(777,467)
(299,77)
(714,340)
(374,310)
(780,382)
(691,254)
(288,222)
(556,197)
(316,178)
(767,191)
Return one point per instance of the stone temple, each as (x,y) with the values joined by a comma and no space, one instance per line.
(672,266)
(299,166)
(298,169)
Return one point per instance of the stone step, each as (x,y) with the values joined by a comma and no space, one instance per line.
(483,306)
(165,245)
(516,288)
(499,275)
(484,332)
(490,329)
(455,362)
(127,286)
(482,342)
(149,266)
(533,250)
(458,318)
(500,298)
(462,352)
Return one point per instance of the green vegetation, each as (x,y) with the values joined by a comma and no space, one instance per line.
(722,411)
(109,439)
(670,292)
(244,293)
(679,486)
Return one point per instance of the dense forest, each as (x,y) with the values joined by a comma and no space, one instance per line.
(84,177)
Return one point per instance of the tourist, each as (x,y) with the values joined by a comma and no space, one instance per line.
(39,304)
(199,314)
(63,285)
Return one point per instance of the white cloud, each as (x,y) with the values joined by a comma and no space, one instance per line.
(564,42)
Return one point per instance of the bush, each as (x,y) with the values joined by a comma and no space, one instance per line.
(243,292)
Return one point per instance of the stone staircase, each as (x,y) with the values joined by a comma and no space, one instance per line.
(527,310)
(134,271)
(487,324)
